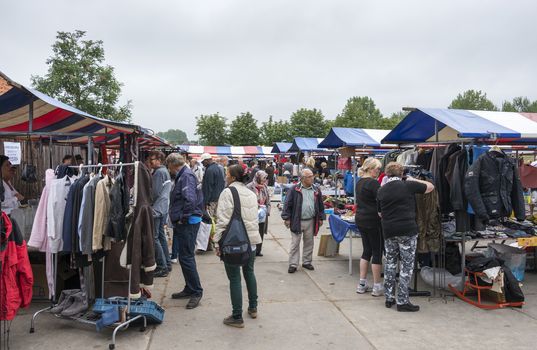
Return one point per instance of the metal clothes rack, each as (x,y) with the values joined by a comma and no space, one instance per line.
(83,318)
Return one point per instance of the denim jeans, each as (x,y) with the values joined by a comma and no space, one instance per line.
(186,242)
(235,288)
(162,254)
(175,245)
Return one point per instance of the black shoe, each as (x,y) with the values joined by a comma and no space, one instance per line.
(389,303)
(193,303)
(252,313)
(408,308)
(181,295)
(170,269)
(234,322)
(308,267)
(292,269)
(258,254)
(160,273)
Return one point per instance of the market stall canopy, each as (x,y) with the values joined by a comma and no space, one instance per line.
(281,147)
(227,150)
(353,137)
(51,117)
(457,124)
(306,144)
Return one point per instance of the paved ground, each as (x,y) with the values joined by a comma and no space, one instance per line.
(307,310)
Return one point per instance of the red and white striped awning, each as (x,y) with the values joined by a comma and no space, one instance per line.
(259,151)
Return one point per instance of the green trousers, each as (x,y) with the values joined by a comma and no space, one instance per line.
(235,287)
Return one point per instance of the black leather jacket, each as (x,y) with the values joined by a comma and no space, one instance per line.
(492,186)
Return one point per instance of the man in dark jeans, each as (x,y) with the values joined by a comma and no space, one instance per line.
(186,210)
(162,185)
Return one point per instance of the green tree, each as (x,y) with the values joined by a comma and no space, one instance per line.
(392,121)
(275,131)
(243,130)
(359,112)
(473,99)
(308,123)
(78,77)
(212,129)
(520,104)
(174,136)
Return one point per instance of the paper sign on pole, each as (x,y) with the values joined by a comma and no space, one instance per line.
(13,151)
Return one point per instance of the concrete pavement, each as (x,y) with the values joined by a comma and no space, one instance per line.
(306,310)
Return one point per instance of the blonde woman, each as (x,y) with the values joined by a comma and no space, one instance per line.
(368,222)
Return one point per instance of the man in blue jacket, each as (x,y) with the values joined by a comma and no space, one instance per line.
(186,210)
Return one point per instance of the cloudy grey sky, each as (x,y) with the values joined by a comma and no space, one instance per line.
(180,59)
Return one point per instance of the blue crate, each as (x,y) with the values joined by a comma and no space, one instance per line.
(151,310)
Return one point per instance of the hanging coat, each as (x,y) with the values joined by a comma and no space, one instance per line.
(16,278)
(139,252)
(429,222)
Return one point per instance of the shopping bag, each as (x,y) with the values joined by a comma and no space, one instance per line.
(202,239)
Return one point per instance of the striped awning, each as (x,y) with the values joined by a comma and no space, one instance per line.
(227,150)
(431,124)
(51,117)
(353,137)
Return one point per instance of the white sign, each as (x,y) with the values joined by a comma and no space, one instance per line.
(13,151)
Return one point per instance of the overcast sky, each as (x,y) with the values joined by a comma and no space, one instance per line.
(180,59)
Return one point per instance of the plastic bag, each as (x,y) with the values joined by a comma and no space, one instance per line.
(514,258)
(202,239)
(443,278)
(262,214)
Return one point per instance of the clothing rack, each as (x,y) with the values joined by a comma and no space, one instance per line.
(83,318)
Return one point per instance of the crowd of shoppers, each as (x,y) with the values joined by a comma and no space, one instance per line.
(204,191)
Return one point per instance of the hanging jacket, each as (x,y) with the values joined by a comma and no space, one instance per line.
(119,207)
(493,187)
(441,181)
(292,210)
(101,216)
(429,222)
(16,276)
(139,251)
(38,237)
(58,191)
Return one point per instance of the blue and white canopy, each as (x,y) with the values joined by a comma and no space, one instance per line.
(306,144)
(353,137)
(281,147)
(457,124)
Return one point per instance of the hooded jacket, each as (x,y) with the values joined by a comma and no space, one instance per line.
(140,250)
(493,187)
(293,208)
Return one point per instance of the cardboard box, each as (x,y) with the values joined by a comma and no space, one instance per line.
(527,242)
(282,179)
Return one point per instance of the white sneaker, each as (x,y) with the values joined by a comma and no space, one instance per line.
(377,291)
(362,288)
(174,261)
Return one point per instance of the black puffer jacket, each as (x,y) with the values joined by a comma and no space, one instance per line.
(493,187)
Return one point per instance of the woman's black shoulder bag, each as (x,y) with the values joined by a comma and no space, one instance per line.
(235,247)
